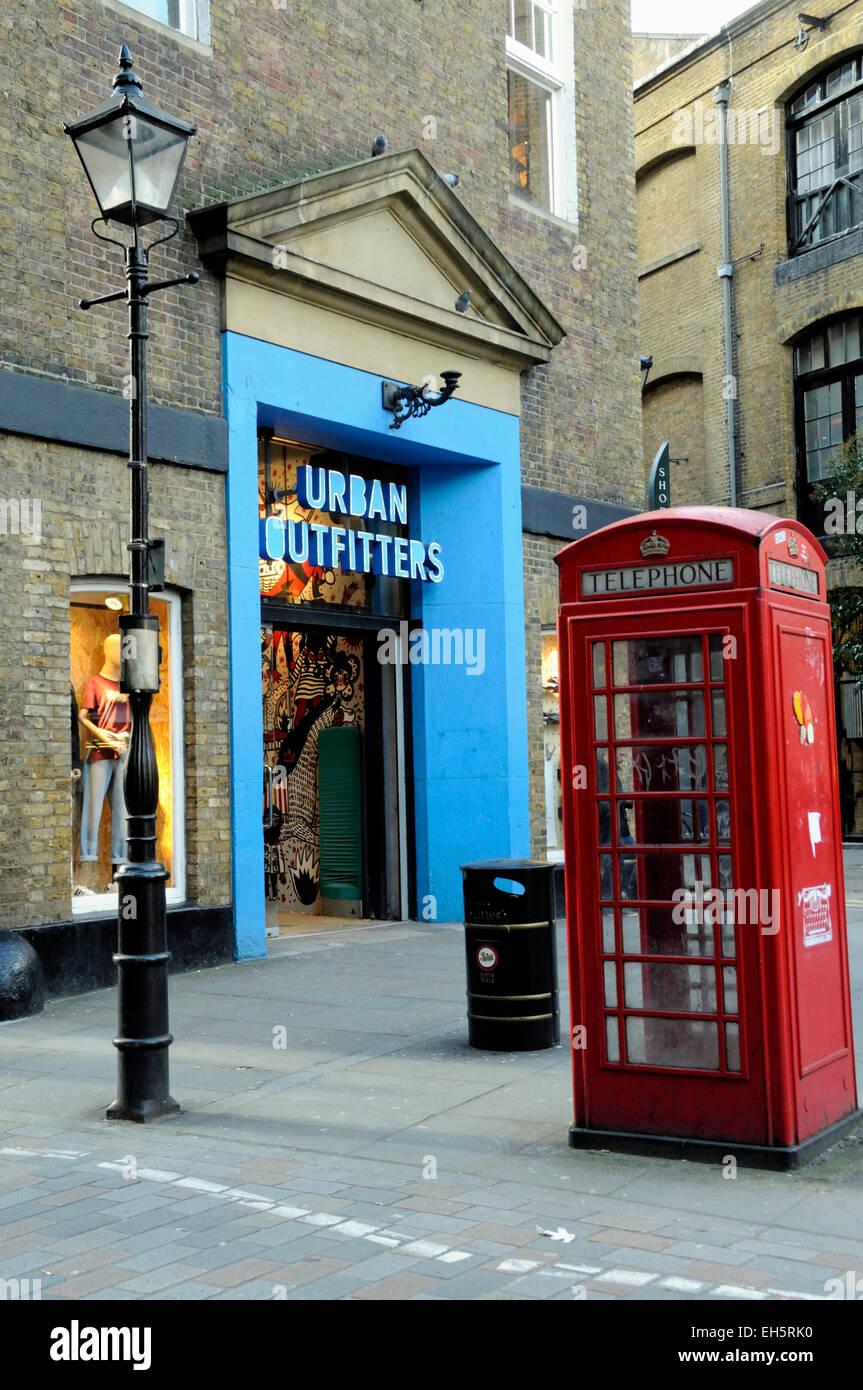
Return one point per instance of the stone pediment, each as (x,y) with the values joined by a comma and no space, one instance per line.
(386,241)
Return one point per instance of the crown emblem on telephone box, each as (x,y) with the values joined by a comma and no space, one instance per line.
(654,545)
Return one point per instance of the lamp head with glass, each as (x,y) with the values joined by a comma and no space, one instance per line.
(131,150)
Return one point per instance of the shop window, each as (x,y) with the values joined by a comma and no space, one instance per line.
(540,104)
(190,17)
(828,369)
(825,124)
(551,748)
(99,737)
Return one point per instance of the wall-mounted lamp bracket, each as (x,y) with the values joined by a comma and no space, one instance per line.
(413,402)
(807,23)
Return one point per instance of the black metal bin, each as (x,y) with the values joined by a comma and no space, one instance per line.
(512,995)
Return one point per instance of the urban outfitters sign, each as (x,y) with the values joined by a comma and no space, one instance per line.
(344,547)
(696,574)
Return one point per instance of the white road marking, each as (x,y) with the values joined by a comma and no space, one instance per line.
(42,1153)
(634,1277)
(355,1228)
(789,1293)
(680,1285)
(359,1230)
(734,1291)
(427,1249)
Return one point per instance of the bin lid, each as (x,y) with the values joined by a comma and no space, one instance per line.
(503,866)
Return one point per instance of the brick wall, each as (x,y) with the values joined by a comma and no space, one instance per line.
(650,51)
(681,304)
(286,91)
(74,487)
(299,89)
(674,412)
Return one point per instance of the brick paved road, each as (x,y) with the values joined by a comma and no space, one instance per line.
(374,1156)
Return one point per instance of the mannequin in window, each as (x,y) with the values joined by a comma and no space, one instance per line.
(76,738)
(79,889)
(106,717)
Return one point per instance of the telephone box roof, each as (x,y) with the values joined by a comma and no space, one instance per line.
(726,521)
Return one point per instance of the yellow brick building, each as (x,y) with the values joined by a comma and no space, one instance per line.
(751,275)
(471,172)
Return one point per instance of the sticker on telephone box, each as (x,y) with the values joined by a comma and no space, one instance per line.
(817,924)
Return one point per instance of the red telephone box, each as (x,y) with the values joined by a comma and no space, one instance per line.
(704,877)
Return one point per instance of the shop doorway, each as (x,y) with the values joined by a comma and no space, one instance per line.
(335,796)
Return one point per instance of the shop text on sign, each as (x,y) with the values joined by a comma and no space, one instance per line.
(342,547)
(642,578)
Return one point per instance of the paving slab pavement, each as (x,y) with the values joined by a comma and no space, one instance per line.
(340,1140)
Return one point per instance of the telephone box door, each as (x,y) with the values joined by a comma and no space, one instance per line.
(665,982)
(808,804)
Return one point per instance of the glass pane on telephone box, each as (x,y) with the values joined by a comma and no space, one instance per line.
(660,760)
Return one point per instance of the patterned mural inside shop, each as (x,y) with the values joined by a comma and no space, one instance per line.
(311,680)
(303,582)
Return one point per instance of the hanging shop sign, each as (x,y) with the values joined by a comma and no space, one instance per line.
(299,541)
(659,484)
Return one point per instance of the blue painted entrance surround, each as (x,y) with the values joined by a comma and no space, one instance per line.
(469,731)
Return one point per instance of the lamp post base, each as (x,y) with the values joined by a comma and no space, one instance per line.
(143,1037)
(145,1112)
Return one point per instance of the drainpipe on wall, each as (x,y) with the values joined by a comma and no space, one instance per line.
(725,271)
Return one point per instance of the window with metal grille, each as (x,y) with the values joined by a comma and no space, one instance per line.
(828,384)
(825,129)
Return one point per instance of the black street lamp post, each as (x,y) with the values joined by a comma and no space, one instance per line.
(132,154)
